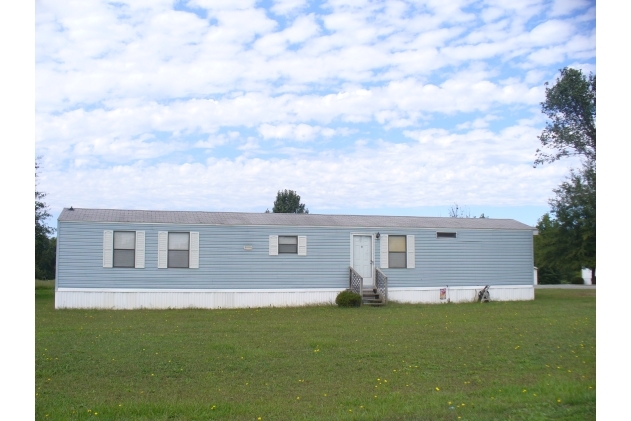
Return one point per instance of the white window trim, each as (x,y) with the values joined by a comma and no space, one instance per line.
(301,245)
(273,245)
(383,251)
(410,250)
(163,241)
(108,249)
(193,250)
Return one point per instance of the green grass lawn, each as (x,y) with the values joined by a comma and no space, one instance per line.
(531,360)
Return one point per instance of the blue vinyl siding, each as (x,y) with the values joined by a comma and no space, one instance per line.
(476,257)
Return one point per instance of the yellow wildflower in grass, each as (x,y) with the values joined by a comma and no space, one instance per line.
(298,398)
(524,391)
(259,418)
(437,389)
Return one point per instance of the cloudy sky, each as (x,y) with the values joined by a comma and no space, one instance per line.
(362,107)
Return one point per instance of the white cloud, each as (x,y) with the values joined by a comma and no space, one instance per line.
(441,166)
(228,96)
(284,7)
(299,132)
(564,7)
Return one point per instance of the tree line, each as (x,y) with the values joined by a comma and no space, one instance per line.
(45,243)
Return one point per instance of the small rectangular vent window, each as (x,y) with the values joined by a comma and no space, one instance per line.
(445,235)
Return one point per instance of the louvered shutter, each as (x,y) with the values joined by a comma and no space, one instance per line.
(383,248)
(140,250)
(302,245)
(108,248)
(411,253)
(163,238)
(273,245)
(193,253)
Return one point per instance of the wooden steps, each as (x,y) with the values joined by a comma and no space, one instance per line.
(372,297)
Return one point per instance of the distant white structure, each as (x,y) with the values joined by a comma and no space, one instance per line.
(587,276)
(535,276)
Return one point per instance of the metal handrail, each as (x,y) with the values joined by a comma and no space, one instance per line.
(381,283)
(356,282)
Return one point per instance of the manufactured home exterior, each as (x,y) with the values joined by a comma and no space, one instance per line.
(124,259)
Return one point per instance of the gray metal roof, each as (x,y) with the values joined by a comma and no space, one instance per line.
(288,219)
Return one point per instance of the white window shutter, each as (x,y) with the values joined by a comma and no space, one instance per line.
(108,248)
(383,248)
(411,257)
(140,250)
(273,245)
(193,253)
(163,239)
(302,245)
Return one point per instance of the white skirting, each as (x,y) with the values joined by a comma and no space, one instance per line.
(460,294)
(127,299)
(121,299)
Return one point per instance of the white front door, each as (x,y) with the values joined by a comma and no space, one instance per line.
(362,257)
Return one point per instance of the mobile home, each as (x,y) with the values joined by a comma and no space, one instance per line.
(125,259)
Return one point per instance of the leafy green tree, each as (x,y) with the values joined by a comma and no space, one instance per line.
(288,201)
(571,107)
(550,249)
(567,242)
(44,246)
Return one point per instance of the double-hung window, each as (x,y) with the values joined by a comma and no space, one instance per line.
(124,249)
(287,244)
(177,249)
(397,251)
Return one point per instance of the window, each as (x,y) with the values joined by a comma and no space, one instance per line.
(445,235)
(287,244)
(124,249)
(178,249)
(397,251)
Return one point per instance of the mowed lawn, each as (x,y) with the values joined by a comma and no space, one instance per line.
(500,360)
